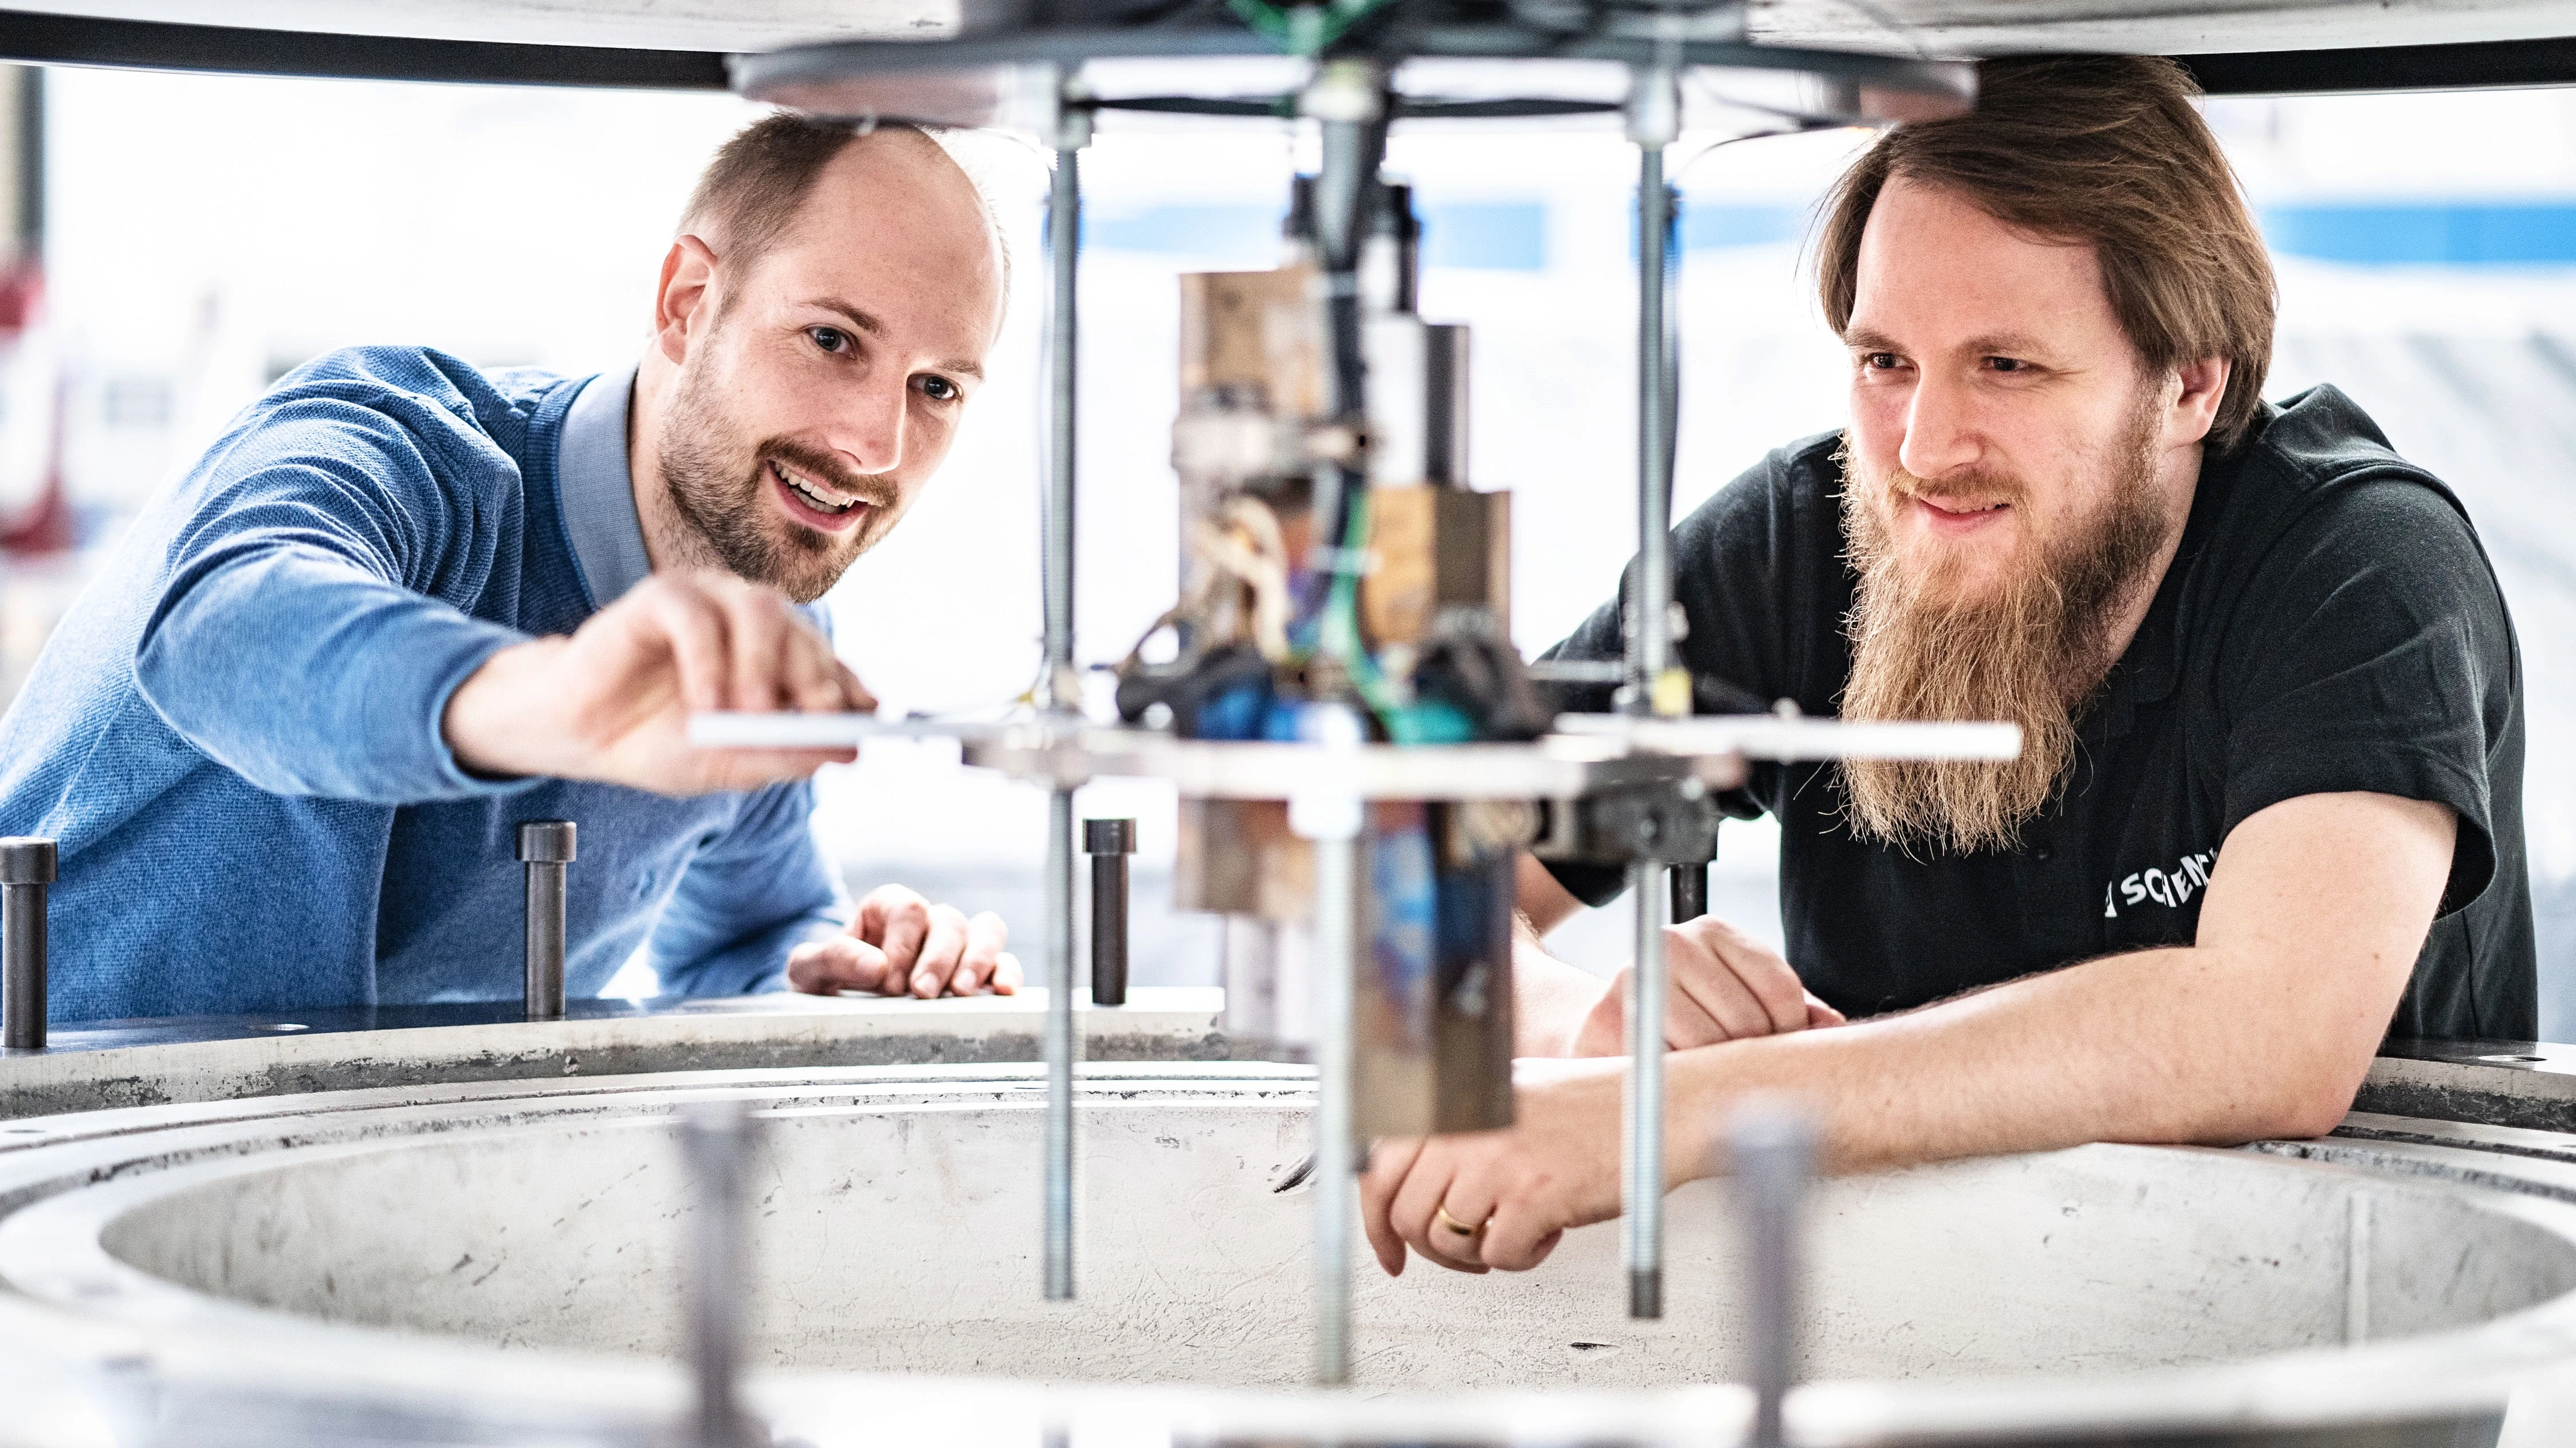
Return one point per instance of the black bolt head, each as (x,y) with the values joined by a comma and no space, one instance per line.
(547,842)
(26,860)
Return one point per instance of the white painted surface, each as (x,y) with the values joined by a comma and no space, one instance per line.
(308,1258)
(897,1236)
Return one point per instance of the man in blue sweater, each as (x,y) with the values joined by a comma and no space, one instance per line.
(402,605)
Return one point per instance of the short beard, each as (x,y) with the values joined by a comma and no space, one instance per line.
(2032,652)
(723,506)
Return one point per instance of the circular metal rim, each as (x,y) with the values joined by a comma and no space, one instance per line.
(2465,1371)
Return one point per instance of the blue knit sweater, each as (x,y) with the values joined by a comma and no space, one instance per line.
(234,734)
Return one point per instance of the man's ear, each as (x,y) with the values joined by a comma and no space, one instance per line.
(2204,386)
(688,284)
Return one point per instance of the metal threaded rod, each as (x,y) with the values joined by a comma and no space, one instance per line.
(1642,1202)
(546,847)
(1109,842)
(27,866)
(716,1141)
(1771,1153)
(1337,868)
(1650,633)
(1654,119)
(1060,693)
(1059,1047)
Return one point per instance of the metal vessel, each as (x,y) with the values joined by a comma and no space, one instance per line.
(502,1260)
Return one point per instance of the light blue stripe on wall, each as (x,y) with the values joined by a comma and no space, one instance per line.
(2399,233)
(2499,233)
(1512,235)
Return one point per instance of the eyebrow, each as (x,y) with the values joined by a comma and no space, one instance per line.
(2005,344)
(867,322)
(1993,344)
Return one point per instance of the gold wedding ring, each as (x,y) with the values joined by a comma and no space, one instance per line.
(1441,1215)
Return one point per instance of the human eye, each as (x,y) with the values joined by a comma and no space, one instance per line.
(830,339)
(939,389)
(2007,364)
(1880,362)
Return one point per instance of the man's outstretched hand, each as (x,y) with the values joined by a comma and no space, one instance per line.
(901,944)
(1556,1167)
(1726,986)
(611,702)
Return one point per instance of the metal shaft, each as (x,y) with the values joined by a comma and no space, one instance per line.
(1059,1047)
(1650,633)
(715,1138)
(27,866)
(1109,842)
(1061,693)
(546,847)
(1653,121)
(1643,1194)
(1064,239)
(1690,892)
(1337,937)
(1771,1150)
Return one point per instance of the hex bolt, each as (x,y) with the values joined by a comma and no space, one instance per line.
(716,1139)
(1109,843)
(1771,1153)
(27,866)
(547,847)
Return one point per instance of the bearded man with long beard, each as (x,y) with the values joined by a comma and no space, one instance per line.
(405,604)
(2268,807)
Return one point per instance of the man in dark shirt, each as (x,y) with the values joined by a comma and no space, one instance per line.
(2269,803)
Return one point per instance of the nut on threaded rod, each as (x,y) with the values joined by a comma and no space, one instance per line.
(27,866)
(546,847)
(1109,842)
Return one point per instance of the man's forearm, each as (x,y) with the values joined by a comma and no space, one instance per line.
(2180,1045)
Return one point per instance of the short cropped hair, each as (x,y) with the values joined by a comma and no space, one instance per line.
(2107,150)
(759,180)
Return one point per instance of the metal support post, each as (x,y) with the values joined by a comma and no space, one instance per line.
(1771,1151)
(1333,823)
(1059,1047)
(546,847)
(1109,842)
(715,1139)
(1643,1197)
(1654,119)
(27,866)
(1061,692)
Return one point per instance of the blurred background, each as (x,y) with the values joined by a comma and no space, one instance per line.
(200,236)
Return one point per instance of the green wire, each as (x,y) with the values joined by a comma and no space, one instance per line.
(1339,634)
(1305,29)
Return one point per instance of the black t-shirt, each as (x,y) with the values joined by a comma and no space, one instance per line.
(2330,623)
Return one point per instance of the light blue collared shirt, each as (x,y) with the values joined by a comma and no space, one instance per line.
(592,470)
(241,747)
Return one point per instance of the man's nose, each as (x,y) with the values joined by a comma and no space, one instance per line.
(1940,431)
(870,430)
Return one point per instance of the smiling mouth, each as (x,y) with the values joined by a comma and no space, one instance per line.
(1957,510)
(812,504)
(811,494)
